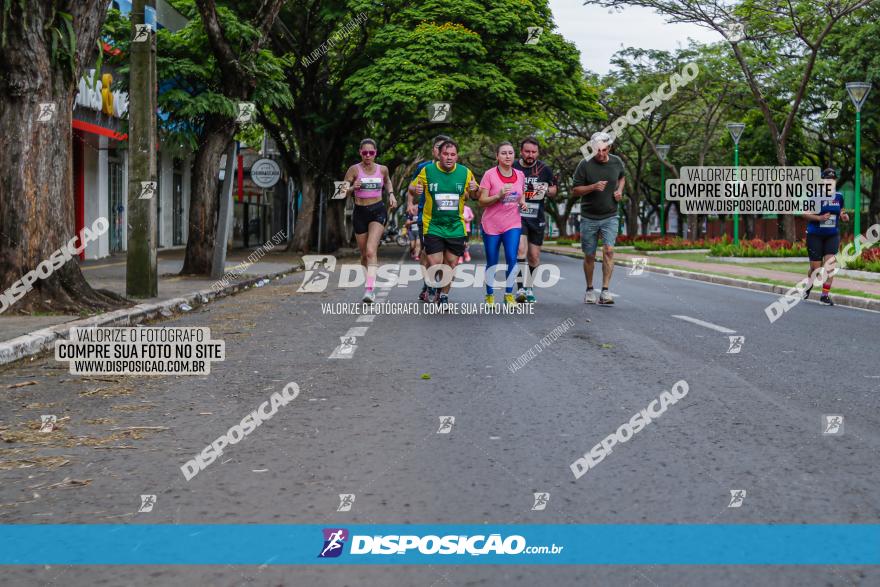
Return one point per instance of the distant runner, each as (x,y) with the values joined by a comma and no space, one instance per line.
(412,235)
(823,238)
(368,181)
(502,195)
(540,183)
(445,185)
(599,182)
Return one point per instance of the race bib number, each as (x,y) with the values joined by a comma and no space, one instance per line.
(447,202)
(830,223)
(511,198)
(533,210)
(371,183)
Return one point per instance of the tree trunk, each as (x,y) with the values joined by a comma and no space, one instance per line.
(204,199)
(874,207)
(36,183)
(307,219)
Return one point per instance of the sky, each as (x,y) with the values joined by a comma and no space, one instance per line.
(598,34)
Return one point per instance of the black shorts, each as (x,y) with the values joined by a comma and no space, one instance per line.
(533,230)
(363,215)
(821,245)
(437,244)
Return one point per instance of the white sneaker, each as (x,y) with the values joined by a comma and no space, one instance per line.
(369,296)
(590,297)
(605,297)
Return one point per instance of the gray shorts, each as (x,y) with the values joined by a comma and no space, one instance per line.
(591,229)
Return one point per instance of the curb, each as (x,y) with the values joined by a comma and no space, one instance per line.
(41,340)
(839,299)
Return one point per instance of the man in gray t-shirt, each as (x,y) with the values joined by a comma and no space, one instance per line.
(599,182)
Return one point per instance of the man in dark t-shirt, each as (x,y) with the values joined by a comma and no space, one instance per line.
(599,182)
(539,183)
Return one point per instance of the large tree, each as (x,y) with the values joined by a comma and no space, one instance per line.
(777,55)
(381,71)
(44,47)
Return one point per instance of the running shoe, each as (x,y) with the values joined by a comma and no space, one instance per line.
(605,298)
(443,299)
(369,296)
(520,295)
(530,296)
(467,256)
(590,297)
(424,295)
(807,292)
(826,299)
(490,299)
(509,299)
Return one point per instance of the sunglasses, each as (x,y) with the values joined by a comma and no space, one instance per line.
(368,152)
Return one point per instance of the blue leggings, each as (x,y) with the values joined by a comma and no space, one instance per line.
(492,244)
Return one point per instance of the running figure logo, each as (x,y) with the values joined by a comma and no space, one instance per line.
(736,498)
(446,424)
(141,33)
(534,35)
(48,423)
(638,265)
(318,271)
(541,500)
(833,109)
(148,190)
(736,344)
(346,500)
(47,112)
(245,112)
(832,424)
(147,503)
(334,540)
(735,32)
(439,112)
(340,187)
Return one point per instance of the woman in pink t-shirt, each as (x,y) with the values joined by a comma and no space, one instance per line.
(502,195)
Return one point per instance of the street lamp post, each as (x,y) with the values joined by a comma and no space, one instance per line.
(663,151)
(858,93)
(736,130)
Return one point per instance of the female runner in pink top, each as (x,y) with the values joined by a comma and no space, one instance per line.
(502,195)
(368,181)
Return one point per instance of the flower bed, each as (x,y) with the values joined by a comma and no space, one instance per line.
(759,248)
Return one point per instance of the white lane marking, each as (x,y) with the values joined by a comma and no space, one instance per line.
(714,327)
(360,331)
(366,318)
(494,438)
(343,351)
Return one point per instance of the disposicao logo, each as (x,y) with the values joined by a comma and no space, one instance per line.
(334,540)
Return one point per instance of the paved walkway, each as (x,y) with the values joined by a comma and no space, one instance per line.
(109,273)
(732,270)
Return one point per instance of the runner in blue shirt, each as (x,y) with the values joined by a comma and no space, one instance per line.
(823,237)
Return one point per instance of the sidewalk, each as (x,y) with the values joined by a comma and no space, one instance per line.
(741,276)
(21,336)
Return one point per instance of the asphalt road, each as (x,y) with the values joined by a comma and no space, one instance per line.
(368,425)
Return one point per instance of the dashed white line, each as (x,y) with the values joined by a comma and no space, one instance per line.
(366,318)
(357,331)
(704,324)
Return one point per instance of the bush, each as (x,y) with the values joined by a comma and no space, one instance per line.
(674,244)
(869,260)
(759,248)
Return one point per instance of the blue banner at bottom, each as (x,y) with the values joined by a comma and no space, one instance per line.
(270,544)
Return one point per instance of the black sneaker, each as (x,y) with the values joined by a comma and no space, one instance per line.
(826,299)
(442,299)
(807,292)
